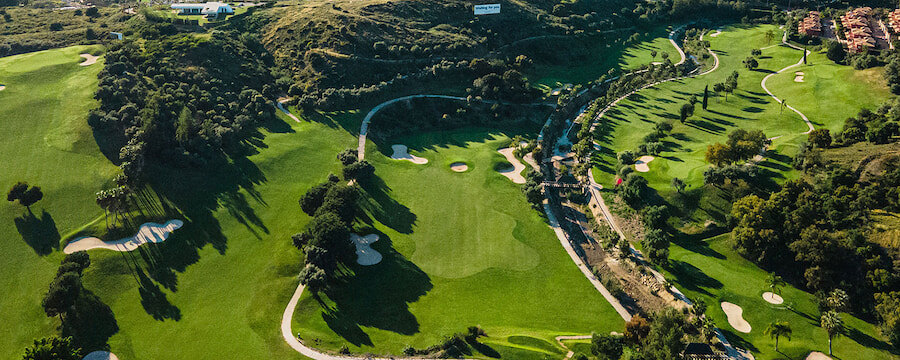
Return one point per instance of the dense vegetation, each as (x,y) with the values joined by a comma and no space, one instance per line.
(29,29)
(182,97)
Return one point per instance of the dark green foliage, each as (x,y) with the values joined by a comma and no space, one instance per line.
(190,99)
(510,86)
(314,278)
(686,111)
(634,189)
(348,157)
(53,348)
(607,346)
(360,170)
(31,196)
(301,239)
(63,292)
(835,52)
(79,258)
(666,337)
(314,197)
(892,73)
(705,96)
(656,245)
(655,216)
(321,258)
(626,157)
(820,138)
(331,233)
(16,191)
(878,127)
(341,201)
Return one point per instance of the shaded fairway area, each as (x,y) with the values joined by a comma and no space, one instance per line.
(461,249)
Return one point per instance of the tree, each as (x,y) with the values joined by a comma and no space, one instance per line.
(833,325)
(718,87)
(678,185)
(820,138)
(634,189)
(705,96)
(775,283)
(769,36)
(63,292)
(16,191)
(838,300)
(341,201)
(626,157)
(751,63)
(328,231)
(184,128)
(348,156)
(53,348)
(33,195)
(313,198)
(606,346)
(686,111)
(778,329)
(729,88)
(666,337)
(360,170)
(755,52)
(79,258)
(92,11)
(656,244)
(314,278)
(718,154)
(835,51)
(636,330)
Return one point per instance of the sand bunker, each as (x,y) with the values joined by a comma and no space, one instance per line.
(735,317)
(514,174)
(2,87)
(641,164)
(365,254)
(798,76)
(815,355)
(715,33)
(147,233)
(529,159)
(772,298)
(401,152)
(100,355)
(459,166)
(88,59)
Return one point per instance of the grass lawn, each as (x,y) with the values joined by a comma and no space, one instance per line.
(46,142)
(460,249)
(605,56)
(830,93)
(711,270)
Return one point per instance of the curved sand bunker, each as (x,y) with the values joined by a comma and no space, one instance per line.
(365,254)
(88,59)
(514,174)
(735,317)
(2,87)
(100,355)
(715,33)
(772,298)
(798,76)
(401,152)
(641,164)
(147,233)
(459,166)
(815,355)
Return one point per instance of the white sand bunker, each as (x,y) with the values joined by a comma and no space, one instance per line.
(735,317)
(459,166)
(641,164)
(401,152)
(798,76)
(88,59)
(365,254)
(772,298)
(715,33)
(147,233)
(514,174)
(100,355)
(815,355)
(2,87)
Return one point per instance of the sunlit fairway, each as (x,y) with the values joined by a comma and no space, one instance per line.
(461,249)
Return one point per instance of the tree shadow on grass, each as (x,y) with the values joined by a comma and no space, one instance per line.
(737,341)
(692,278)
(91,322)
(38,232)
(870,342)
(378,204)
(154,300)
(377,296)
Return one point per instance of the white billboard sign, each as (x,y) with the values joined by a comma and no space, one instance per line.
(487,9)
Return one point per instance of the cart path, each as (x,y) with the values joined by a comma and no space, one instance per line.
(780,101)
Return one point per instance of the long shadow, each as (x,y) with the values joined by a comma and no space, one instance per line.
(154,300)
(692,278)
(738,341)
(377,296)
(869,341)
(38,232)
(378,203)
(90,323)
(696,244)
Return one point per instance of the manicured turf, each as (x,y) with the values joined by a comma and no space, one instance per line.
(605,56)
(460,249)
(830,93)
(46,142)
(216,289)
(712,271)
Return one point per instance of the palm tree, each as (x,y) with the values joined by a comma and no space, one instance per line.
(833,325)
(775,283)
(778,329)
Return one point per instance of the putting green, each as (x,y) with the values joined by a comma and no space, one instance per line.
(460,249)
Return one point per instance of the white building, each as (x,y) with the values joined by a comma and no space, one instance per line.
(210,9)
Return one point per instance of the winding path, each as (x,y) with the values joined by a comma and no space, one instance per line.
(280,105)
(780,101)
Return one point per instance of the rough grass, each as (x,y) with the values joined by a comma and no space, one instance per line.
(460,249)
(712,271)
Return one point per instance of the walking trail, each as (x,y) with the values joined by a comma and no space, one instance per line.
(280,105)
(784,42)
